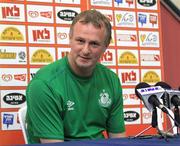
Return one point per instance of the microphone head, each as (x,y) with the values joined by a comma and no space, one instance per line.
(139,86)
(163,85)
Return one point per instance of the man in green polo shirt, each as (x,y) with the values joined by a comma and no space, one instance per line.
(76,97)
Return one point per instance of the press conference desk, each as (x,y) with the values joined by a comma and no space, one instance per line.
(120,142)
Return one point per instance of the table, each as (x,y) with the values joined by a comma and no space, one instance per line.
(142,141)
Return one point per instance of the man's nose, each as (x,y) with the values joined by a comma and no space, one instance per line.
(86,48)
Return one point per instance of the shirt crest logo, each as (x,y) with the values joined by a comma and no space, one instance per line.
(104,100)
(70,105)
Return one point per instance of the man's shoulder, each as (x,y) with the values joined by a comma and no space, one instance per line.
(50,71)
(105,70)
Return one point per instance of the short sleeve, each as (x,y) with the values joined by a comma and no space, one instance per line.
(44,111)
(115,123)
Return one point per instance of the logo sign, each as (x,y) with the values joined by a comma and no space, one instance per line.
(12,12)
(128,76)
(124,3)
(107,3)
(33,72)
(8,119)
(40,13)
(149,39)
(62,34)
(12,33)
(62,52)
(108,57)
(142,18)
(127,57)
(132,116)
(14,98)
(147,3)
(68,1)
(13,55)
(126,38)
(129,97)
(125,19)
(146,116)
(150,76)
(67,15)
(150,57)
(40,34)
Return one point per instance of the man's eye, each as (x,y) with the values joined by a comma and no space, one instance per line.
(80,41)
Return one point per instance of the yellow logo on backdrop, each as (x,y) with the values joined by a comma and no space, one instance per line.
(118,17)
(128,58)
(11,34)
(151,77)
(41,56)
(142,37)
(7,55)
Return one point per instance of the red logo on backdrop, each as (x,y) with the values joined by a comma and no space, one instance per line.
(64,53)
(146,115)
(62,36)
(20,77)
(128,76)
(153,19)
(109,17)
(33,14)
(130,96)
(46,14)
(10,11)
(129,2)
(7,77)
(41,34)
(107,56)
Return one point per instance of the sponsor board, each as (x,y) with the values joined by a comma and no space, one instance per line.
(12,98)
(62,52)
(129,97)
(124,3)
(108,58)
(13,55)
(132,116)
(107,3)
(62,35)
(10,121)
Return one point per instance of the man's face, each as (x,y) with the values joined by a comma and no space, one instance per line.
(87,45)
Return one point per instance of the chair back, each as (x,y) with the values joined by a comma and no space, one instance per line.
(22,119)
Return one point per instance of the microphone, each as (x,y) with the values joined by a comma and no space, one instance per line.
(150,96)
(172,96)
(172,99)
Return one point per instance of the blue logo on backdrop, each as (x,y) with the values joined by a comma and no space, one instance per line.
(142,18)
(119,1)
(8,119)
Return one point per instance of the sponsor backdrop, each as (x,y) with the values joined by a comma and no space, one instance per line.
(34,33)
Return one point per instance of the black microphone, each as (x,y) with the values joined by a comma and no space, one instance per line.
(149,95)
(172,96)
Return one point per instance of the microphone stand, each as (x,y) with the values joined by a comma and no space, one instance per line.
(154,123)
(176,119)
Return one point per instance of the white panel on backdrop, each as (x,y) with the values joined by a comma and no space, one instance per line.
(65,15)
(125,18)
(129,97)
(62,35)
(126,38)
(108,57)
(13,55)
(12,12)
(12,33)
(9,121)
(149,39)
(128,57)
(41,34)
(12,98)
(41,55)
(132,116)
(150,57)
(129,76)
(13,77)
(42,14)
(147,20)
(33,72)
